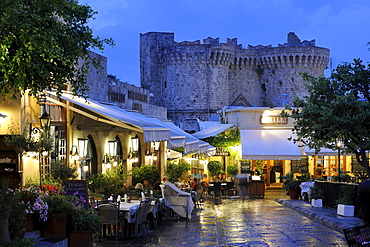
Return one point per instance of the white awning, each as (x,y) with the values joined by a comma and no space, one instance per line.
(152,131)
(269,145)
(323,152)
(212,131)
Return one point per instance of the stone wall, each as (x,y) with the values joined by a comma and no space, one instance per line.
(106,88)
(194,79)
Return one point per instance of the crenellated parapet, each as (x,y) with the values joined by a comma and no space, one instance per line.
(292,54)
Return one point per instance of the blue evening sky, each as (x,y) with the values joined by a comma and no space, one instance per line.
(342,26)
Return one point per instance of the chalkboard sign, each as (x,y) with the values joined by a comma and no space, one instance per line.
(299,166)
(79,189)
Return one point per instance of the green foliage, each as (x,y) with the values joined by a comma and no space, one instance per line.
(144,172)
(232,170)
(174,171)
(337,108)
(63,172)
(41,43)
(17,242)
(59,205)
(18,214)
(110,183)
(290,182)
(214,167)
(225,139)
(348,195)
(22,142)
(87,220)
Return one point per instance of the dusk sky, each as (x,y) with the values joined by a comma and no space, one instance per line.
(342,26)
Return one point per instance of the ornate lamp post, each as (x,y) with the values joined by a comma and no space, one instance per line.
(339,145)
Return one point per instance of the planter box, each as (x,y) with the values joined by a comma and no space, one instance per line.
(316,203)
(80,239)
(346,210)
(55,227)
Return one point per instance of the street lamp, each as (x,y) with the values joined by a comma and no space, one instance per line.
(339,145)
(45,121)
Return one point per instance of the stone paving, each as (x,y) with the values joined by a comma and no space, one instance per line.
(234,222)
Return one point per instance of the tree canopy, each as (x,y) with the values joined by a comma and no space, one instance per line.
(337,109)
(42,43)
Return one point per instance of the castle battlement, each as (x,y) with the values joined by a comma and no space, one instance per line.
(198,78)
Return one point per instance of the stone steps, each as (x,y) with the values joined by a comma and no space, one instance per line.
(46,242)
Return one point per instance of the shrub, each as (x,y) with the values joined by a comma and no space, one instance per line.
(316,193)
(174,171)
(145,172)
(214,167)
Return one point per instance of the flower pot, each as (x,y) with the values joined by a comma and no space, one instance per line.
(55,227)
(29,222)
(346,210)
(294,193)
(18,234)
(80,239)
(316,203)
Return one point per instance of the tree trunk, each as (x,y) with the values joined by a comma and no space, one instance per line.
(362,160)
(4,225)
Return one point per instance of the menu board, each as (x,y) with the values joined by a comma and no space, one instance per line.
(79,189)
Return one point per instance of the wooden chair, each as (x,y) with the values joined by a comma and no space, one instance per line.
(199,202)
(109,215)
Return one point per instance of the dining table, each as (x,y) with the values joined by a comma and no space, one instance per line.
(128,210)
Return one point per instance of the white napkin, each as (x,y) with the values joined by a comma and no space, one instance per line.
(142,195)
(151,192)
(125,197)
(110,198)
(119,198)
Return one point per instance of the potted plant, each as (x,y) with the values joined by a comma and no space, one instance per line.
(232,170)
(316,195)
(85,224)
(345,204)
(60,213)
(214,167)
(291,185)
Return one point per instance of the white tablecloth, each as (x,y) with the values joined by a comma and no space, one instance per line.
(177,200)
(129,209)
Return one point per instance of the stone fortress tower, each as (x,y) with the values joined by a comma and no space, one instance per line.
(194,79)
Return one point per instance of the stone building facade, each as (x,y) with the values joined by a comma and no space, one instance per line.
(106,88)
(194,79)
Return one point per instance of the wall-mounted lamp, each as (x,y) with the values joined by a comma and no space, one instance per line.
(106,159)
(82,146)
(135,143)
(3,115)
(155,145)
(74,151)
(85,168)
(112,146)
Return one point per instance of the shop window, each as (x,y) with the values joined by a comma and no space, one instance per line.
(328,166)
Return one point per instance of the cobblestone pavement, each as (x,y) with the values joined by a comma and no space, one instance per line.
(234,222)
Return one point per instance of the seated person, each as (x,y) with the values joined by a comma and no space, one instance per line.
(139,186)
(195,184)
(146,186)
(205,181)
